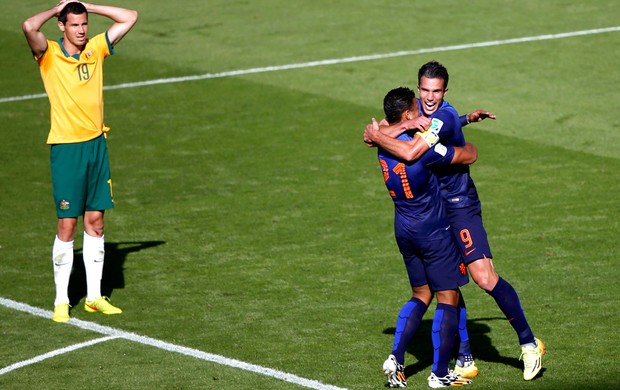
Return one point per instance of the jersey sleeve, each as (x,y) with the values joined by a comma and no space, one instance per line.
(109,44)
(438,155)
(101,44)
(45,58)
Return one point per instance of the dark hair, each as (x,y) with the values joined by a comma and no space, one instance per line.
(396,102)
(434,70)
(71,8)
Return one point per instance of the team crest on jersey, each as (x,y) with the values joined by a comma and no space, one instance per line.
(64,205)
(89,53)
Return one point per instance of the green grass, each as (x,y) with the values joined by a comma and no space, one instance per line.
(252,222)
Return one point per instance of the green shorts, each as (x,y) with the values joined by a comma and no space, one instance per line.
(81,177)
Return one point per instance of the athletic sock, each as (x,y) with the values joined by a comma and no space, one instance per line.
(407,324)
(93,251)
(464,347)
(445,325)
(62,260)
(508,301)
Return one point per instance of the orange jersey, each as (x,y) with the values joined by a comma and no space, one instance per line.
(75,90)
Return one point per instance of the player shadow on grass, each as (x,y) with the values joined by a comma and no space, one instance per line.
(113,277)
(421,347)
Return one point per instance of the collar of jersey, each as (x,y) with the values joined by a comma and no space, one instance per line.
(76,56)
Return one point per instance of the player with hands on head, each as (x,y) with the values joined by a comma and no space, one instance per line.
(72,73)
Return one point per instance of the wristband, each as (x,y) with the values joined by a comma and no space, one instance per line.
(430,137)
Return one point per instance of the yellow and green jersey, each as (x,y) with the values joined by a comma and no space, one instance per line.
(74,87)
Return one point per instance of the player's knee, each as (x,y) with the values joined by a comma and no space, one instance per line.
(93,224)
(422,293)
(486,280)
(483,273)
(448,297)
(66,229)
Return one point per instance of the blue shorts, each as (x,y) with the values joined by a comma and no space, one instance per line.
(469,233)
(433,260)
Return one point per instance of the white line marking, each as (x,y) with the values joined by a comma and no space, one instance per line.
(117,333)
(57,352)
(336,61)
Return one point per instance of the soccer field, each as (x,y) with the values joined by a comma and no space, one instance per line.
(251,245)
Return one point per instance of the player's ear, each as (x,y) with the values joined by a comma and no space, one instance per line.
(61,26)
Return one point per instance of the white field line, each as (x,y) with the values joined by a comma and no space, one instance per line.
(113,333)
(335,61)
(57,352)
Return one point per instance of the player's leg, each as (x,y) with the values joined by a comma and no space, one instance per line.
(68,195)
(445,327)
(62,258)
(410,315)
(483,272)
(474,246)
(408,322)
(99,199)
(409,319)
(505,296)
(93,252)
(446,273)
(62,254)
(465,364)
(508,301)
(464,347)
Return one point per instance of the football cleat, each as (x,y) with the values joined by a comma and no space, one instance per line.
(466,366)
(394,372)
(532,359)
(452,379)
(61,312)
(101,305)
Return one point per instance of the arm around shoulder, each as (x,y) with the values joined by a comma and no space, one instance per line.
(467,154)
(407,150)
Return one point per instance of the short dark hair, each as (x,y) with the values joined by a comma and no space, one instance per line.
(434,70)
(71,8)
(396,102)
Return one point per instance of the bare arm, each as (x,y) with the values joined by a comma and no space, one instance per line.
(124,19)
(32,28)
(420,123)
(406,150)
(467,154)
